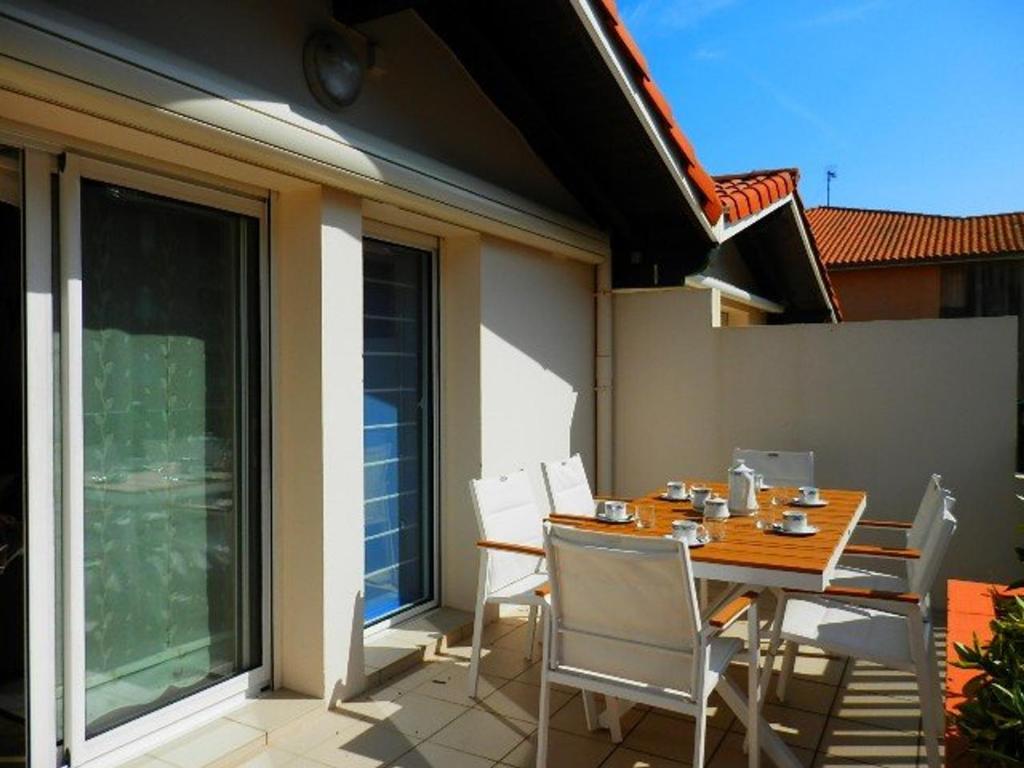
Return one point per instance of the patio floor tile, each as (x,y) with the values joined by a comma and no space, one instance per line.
(312,731)
(278,758)
(670,737)
(532,676)
(428,755)
(212,744)
(365,746)
(570,719)
(901,714)
(867,677)
(275,710)
(521,701)
(869,744)
(623,757)
(448,682)
(413,714)
(564,749)
(796,727)
(730,754)
(482,733)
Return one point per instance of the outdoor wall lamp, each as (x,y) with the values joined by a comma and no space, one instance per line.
(333,71)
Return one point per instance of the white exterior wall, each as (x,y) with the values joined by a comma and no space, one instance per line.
(882,405)
(519,379)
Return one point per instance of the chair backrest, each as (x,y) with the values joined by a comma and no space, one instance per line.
(506,511)
(785,468)
(923,572)
(623,607)
(568,487)
(928,511)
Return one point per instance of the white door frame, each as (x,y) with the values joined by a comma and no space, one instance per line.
(146,731)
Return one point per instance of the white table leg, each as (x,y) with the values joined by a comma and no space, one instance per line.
(776,748)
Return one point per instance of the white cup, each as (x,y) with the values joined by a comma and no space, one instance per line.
(794,521)
(699,495)
(675,489)
(689,531)
(808,494)
(615,510)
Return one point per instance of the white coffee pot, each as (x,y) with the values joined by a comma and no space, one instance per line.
(742,489)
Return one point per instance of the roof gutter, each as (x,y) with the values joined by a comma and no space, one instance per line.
(799,219)
(588,17)
(738,294)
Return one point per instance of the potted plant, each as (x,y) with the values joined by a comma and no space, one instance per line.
(991,718)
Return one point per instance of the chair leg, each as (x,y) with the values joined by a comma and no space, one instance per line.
(788,662)
(703,596)
(752,742)
(478,627)
(929,722)
(938,695)
(614,718)
(589,710)
(531,632)
(700,732)
(544,715)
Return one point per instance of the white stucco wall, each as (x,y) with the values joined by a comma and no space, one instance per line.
(882,405)
(527,318)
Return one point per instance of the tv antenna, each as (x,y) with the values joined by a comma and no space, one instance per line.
(830,173)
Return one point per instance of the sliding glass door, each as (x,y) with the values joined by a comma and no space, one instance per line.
(398,414)
(13,584)
(163,449)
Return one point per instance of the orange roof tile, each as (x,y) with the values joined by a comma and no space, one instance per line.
(744,194)
(850,237)
(703,183)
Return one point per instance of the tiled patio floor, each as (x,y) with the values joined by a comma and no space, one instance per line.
(838,712)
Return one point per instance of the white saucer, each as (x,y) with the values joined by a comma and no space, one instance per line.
(610,521)
(698,543)
(811,504)
(810,530)
(666,497)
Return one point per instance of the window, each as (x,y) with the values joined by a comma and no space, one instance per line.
(398,429)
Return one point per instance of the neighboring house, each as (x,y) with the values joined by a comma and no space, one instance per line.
(262,344)
(893,265)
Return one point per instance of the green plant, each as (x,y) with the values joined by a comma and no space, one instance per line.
(992,718)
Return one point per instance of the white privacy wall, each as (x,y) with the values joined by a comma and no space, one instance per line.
(882,405)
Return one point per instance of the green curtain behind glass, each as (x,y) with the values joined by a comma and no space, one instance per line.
(169,561)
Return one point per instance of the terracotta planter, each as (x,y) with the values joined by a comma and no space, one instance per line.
(971,606)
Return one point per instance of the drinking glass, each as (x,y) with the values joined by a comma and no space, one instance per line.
(715,528)
(646,515)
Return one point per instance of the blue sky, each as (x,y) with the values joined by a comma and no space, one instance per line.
(919,104)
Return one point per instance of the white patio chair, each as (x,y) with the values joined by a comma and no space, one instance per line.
(889,625)
(568,488)
(780,468)
(623,621)
(511,554)
(857,577)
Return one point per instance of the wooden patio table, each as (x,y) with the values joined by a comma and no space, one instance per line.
(751,558)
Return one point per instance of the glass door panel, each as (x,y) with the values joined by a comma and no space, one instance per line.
(171,463)
(12,468)
(398,443)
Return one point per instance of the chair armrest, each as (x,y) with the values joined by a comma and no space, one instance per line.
(732,610)
(898,524)
(522,549)
(863,594)
(868,550)
(543,590)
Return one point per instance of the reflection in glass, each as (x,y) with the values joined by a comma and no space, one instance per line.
(12,468)
(171,425)
(398,430)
